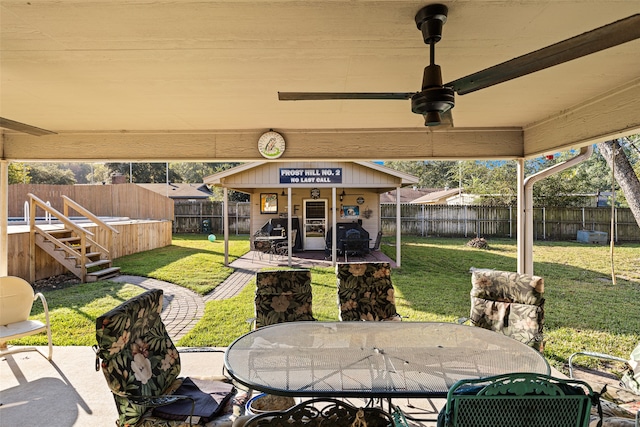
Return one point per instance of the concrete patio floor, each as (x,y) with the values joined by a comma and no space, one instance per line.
(69,392)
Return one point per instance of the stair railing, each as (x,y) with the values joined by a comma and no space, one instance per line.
(85,235)
(102,226)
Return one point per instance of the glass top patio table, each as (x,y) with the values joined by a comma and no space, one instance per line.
(373,359)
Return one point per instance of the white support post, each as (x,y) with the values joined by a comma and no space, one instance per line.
(334,228)
(4,217)
(398,228)
(526,262)
(225,225)
(521,217)
(290,242)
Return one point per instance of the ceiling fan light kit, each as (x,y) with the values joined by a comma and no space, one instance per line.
(436,99)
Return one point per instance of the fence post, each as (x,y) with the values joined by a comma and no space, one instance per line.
(466,225)
(544,223)
(510,222)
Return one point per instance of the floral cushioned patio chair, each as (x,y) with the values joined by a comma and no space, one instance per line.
(141,365)
(283,296)
(365,291)
(510,303)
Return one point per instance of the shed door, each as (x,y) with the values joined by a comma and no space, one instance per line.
(315,224)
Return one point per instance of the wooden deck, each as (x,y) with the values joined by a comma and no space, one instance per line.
(135,236)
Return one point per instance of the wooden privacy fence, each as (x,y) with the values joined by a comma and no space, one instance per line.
(551,223)
(117,200)
(205,216)
(557,223)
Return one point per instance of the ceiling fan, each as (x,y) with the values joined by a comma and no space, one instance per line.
(435,100)
(22,127)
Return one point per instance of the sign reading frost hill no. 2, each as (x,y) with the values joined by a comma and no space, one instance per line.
(310,175)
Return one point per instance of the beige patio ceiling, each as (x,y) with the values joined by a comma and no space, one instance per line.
(198,80)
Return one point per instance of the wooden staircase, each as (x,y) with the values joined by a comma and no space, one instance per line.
(74,247)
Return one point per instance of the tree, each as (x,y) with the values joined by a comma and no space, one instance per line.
(619,159)
(50,173)
(99,174)
(80,170)
(19,173)
(145,172)
(196,172)
(432,174)
(495,183)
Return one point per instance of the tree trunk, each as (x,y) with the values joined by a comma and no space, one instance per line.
(624,174)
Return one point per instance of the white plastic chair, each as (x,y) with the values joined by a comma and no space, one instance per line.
(16,300)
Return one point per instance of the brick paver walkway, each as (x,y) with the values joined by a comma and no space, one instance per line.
(183,308)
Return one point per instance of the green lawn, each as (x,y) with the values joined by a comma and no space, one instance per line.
(192,253)
(583,308)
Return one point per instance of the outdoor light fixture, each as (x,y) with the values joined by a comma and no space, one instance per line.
(283,193)
(342,195)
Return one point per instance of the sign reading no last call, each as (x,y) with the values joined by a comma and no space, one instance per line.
(310,175)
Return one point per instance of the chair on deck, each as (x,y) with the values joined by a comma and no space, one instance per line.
(141,365)
(519,399)
(376,244)
(365,291)
(283,296)
(282,248)
(510,303)
(261,244)
(353,244)
(323,412)
(16,301)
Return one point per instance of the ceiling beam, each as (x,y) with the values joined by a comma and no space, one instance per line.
(302,145)
(611,115)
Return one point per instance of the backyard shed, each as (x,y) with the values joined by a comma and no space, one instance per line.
(313,198)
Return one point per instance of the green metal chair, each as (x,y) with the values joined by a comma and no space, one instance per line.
(518,400)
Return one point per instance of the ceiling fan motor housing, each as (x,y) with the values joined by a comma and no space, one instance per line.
(434,99)
(431,103)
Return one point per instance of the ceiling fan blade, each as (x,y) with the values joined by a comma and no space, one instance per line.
(21,127)
(602,38)
(315,96)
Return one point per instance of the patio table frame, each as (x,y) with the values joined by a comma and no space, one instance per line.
(373,359)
